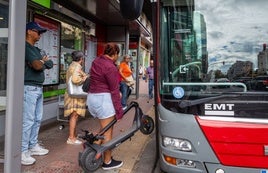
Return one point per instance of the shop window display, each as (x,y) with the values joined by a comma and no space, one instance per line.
(71,39)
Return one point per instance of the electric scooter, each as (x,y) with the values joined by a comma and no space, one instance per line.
(90,158)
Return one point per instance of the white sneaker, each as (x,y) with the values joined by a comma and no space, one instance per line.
(73,142)
(26,158)
(38,150)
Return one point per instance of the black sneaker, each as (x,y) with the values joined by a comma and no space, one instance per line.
(114,164)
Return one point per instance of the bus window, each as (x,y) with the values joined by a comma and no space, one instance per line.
(199,48)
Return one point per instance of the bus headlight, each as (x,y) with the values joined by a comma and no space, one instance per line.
(177,144)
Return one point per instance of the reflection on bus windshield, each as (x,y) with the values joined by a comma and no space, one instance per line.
(217,42)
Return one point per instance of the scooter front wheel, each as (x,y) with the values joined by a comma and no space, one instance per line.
(88,161)
(147,125)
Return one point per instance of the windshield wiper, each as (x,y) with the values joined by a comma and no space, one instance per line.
(186,103)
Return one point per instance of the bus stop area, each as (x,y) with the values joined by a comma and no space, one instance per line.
(63,158)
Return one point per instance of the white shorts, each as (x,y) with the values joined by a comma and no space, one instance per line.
(100,105)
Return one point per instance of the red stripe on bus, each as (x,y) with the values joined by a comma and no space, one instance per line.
(237,144)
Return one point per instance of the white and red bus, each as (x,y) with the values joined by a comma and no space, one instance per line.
(211,83)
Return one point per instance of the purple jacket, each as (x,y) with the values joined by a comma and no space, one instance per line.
(104,79)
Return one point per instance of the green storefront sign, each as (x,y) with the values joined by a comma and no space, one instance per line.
(44,3)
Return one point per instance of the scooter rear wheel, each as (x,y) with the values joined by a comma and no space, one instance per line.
(88,161)
(147,125)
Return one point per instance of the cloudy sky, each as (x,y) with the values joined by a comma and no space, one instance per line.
(236,30)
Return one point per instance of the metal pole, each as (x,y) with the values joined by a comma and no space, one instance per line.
(138,57)
(156,55)
(15,81)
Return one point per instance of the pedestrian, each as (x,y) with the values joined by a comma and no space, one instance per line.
(140,71)
(150,77)
(126,74)
(103,100)
(73,106)
(34,76)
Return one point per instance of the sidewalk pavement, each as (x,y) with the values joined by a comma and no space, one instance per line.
(63,158)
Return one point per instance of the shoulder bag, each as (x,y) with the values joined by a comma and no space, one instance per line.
(75,90)
(130,81)
(85,86)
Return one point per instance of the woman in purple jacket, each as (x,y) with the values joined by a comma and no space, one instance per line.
(104,100)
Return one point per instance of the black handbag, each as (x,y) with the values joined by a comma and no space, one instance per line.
(85,86)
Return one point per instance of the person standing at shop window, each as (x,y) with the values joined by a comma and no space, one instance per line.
(150,77)
(35,65)
(75,107)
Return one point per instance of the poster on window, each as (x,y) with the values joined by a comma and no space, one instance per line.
(49,43)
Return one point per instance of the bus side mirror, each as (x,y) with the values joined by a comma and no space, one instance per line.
(131,9)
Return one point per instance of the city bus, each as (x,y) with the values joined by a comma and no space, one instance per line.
(209,120)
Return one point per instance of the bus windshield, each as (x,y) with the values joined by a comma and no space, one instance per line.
(213,48)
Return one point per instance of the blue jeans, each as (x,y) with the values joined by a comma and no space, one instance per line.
(151,87)
(32,116)
(124,91)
